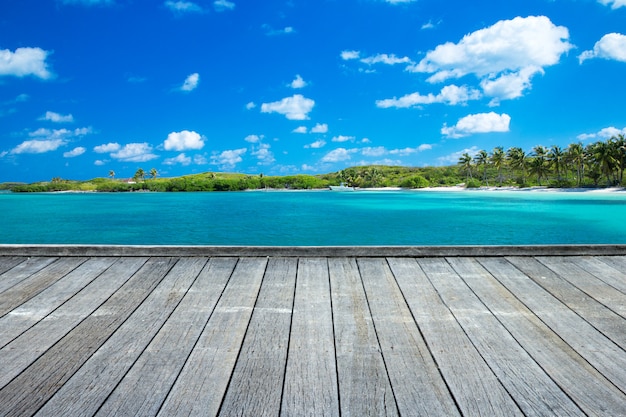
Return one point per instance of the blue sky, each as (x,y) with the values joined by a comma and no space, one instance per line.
(299,86)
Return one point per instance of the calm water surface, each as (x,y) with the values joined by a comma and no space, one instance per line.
(315,218)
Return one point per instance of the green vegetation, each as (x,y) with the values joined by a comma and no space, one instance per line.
(597,164)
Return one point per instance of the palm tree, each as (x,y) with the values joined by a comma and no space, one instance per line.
(575,154)
(140,174)
(604,157)
(538,163)
(482,159)
(112,174)
(154,173)
(518,160)
(466,163)
(374,176)
(556,159)
(618,144)
(497,159)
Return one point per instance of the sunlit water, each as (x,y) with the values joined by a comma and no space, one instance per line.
(315,218)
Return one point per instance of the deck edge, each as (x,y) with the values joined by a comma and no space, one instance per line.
(322,251)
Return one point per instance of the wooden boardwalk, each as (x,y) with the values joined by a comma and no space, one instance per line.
(539,335)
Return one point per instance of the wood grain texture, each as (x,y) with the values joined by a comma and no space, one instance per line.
(200,387)
(364,386)
(9,262)
(256,386)
(418,386)
(311,375)
(612,274)
(23,271)
(476,388)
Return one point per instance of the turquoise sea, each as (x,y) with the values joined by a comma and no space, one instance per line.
(315,218)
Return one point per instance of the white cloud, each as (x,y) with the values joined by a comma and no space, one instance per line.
(478,123)
(24,62)
(251,105)
(296,107)
(510,51)
(377,151)
(320,128)
(269,31)
(453,158)
(52,134)
(228,159)
(107,148)
(135,152)
(99,162)
(338,155)
(611,46)
(298,82)
(606,133)
(348,55)
(299,129)
(191,82)
(222,5)
(386,59)
(615,4)
(316,145)
(181,159)
(75,152)
(180,141)
(38,146)
(253,138)
(57,118)
(180,7)
(264,155)
(342,138)
(410,151)
(450,94)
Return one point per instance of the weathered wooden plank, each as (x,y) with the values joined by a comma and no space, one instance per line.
(22,271)
(89,387)
(311,375)
(202,383)
(474,385)
(21,352)
(591,285)
(20,319)
(26,393)
(604,269)
(418,386)
(8,262)
(617,262)
(256,386)
(27,289)
(601,305)
(364,386)
(164,358)
(587,387)
(531,387)
(599,350)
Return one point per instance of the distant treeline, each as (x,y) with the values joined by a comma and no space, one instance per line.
(598,164)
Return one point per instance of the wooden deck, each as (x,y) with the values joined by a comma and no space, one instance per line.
(310,335)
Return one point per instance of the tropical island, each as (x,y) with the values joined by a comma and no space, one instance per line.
(600,164)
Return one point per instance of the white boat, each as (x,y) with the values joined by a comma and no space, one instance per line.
(341,187)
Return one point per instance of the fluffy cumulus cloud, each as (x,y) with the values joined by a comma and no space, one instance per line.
(191,82)
(296,107)
(342,138)
(184,140)
(349,55)
(316,145)
(298,82)
(450,94)
(611,46)
(338,155)
(75,152)
(606,133)
(478,123)
(57,118)
(63,134)
(453,158)
(25,62)
(264,155)
(504,56)
(181,159)
(228,159)
(38,146)
(385,59)
(180,7)
(223,5)
(300,129)
(320,128)
(615,4)
(134,152)
(107,148)
(253,138)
